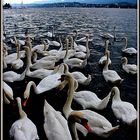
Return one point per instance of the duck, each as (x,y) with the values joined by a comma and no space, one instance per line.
(101,126)
(111,75)
(123,110)
(55,125)
(88,99)
(8,93)
(11,76)
(18,63)
(129,68)
(23,128)
(78,76)
(73,62)
(103,58)
(130,50)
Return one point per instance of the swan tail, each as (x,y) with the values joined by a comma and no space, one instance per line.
(134,123)
(88,80)
(118,82)
(111,131)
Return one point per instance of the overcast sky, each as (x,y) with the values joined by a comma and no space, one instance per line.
(43,1)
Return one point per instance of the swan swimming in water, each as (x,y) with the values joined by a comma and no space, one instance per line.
(123,110)
(130,50)
(129,68)
(98,124)
(23,128)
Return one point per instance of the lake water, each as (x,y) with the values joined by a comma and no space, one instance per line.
(93,21)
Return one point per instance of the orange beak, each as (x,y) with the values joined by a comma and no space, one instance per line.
(25,102)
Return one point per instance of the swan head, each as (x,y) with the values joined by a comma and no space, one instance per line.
(77,116)
(124,60)
(125,38)
(115,93)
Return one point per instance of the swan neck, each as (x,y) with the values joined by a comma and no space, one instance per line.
(125,46)
(117,95)
(66,55)
(105,101)
(18,49)
(29,63)
(70,93)
(106,47)
(21,112)
(73,131)
(87,48)
(28,87)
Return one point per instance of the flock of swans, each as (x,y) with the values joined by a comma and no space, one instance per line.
(52,67)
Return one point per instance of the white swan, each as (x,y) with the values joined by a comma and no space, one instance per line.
(53,43)
(24,128)
(46,64)
(88,99)
(129,68)
(15,41)
(41,47)
(55,125)
(39,73)
(130,50)
(81,54)
(108,35)
(78,76)
(110,75)
(78,47)
(8,93)
(46,84)
(11,76)
(73,62)
(123,110)
(98,124)
(51,34)
(104,58)
(18,63)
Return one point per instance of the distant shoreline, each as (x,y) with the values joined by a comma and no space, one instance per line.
(79,5)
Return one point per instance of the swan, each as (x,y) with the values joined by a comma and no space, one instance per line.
(78,47)
(103,58)
(39,73)
(81,54)
(130,50)
(50,34)
(8,93)
(24,128)
(73,120)
(98,124)
(12,57)
(108,35)
(88,99)
(18,63)
(41,47)
(78,76)
(123,110)
(55,125)
(73,62)
(11,76)
(129,68)
(53,43)
(48,83)
(111,75)
(46,64)
(15,41)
